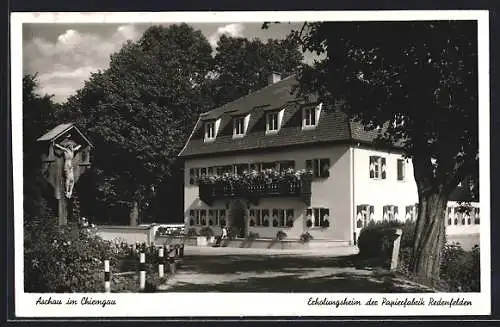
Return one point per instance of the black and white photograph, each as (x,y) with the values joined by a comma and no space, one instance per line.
(251,164)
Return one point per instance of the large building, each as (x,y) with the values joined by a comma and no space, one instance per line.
(270,162)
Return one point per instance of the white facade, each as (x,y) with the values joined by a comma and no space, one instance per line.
(355,192)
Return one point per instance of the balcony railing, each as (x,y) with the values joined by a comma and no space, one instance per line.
(255,190)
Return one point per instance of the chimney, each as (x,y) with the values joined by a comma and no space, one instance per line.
(274,78)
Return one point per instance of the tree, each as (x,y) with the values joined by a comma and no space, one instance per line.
(140,111)
(418,82)
(242,65)
(38,118)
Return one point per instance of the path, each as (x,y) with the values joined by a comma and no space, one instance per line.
(262,270)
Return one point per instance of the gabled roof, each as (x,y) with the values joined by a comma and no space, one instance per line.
(59,130)
(333,124)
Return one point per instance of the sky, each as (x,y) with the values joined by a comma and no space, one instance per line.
(64,55)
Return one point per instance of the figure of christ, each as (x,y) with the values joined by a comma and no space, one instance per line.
(69,154)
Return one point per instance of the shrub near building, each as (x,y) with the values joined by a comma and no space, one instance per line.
(460,269)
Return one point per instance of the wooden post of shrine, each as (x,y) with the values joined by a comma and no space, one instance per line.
(65,155)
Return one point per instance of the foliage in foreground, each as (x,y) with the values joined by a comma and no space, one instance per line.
(459,269)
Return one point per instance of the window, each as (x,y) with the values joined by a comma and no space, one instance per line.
(238,126)
(241,168)
(209,130)
(228,169)
(195,216)
(401,170)
(285,165)
(377,167)
(410,213)
(213,217)
(364,213)
(449,216)
(203,217)
(194,175)
(309,117)
(390,212)
(317,217)
(271,217)
(255,217)
(265,217)
(272,121)
(319,167)
(222,217)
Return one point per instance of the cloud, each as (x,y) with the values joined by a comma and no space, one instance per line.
(234,30)
(65,63)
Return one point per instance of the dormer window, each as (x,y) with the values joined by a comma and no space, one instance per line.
(272,122)
(238,126)
(209,130)
(310,116)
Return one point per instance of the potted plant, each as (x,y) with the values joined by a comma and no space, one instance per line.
(280,235)
(305,237)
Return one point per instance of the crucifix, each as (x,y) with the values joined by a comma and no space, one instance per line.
(65,157)
(68,169)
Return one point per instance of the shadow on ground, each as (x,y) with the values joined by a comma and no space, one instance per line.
(249,273)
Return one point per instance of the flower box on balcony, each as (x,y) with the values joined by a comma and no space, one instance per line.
(256,185)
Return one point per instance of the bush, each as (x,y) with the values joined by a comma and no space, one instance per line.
(376,239)
(206,231)
(280,235)
(66,259)
(192,232)
(461,269)
(252,236)
(305,237)
(232,232)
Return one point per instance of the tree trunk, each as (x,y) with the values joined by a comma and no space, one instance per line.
(429,237)
(134,214)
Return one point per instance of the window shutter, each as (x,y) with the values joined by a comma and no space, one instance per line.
(309,165)
(371,166)
(400,170)
(325,167)
(383,168)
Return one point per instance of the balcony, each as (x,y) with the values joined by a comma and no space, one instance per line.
(255,188)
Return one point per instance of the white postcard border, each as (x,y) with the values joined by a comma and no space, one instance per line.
(247,304)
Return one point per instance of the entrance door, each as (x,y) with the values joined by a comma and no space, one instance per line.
(238,218)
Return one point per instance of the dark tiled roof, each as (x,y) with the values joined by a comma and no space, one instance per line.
(333,124)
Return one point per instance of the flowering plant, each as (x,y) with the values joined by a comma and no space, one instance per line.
(267,175)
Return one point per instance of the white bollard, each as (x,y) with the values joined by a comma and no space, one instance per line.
(160,265)
(107,277)
(142,271)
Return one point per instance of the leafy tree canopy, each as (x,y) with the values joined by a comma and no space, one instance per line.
(417,83)
(140,110)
